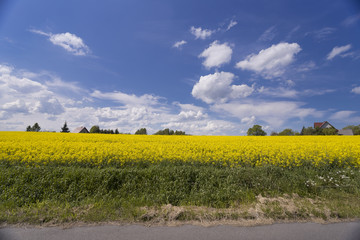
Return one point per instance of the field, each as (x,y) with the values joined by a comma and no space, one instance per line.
(56,178)
(99,150)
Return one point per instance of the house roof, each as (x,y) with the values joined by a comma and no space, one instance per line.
(346,132)
(79,129)
(320,124)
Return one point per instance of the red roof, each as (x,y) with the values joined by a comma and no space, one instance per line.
(318,124)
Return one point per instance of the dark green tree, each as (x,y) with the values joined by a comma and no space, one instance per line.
(329,131)
(116,131)
(287,132)
(36,127)
(29,129)
(273,133)
(95,129)
(256,130)
(141,131)
(65,128)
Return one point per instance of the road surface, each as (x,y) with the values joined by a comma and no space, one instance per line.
(291,231)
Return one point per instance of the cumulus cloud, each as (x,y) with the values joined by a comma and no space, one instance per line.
(271,62)
(216,54)
(201,33)
(217,88)
(69,41)
(50,106)
(179,44)
(274,113)
(356,90)
(337,51)
(127,99)
(18,106)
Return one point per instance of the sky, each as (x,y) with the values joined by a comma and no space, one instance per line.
(203,67)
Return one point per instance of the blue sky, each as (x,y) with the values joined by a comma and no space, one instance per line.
(203,67)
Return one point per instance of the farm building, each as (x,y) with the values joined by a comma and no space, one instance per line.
(80,130)
(323,125)
(346,132)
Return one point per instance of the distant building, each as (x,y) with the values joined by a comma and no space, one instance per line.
(323,125)
(346,132)
(80,130)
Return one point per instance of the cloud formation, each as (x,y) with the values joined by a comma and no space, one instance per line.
(337,51)
(274,113)
(70,42)
(216,54)
(179,44)
(231,24)
(217,88)
(271,62)
(201,33)
(356,90)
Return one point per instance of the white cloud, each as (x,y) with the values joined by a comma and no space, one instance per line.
(271,62)
(217,88)
(323,33)
(231,24)
(274,113)
(337,51)
(356,90)
(179,44)
(16,106)
(341,115)
(351,20)
(268,35)
(279,92)
(50,106)
(201,33)
(216,55)
(127,99)
(69,41)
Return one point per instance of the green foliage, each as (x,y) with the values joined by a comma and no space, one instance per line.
(35,128)
(355,129)
(329,131)
(287,132)
(273,133)
(256,130)
(65,128)
(167,131)
(95,129)
(141,131)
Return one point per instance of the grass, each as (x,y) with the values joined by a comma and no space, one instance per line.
(167,192)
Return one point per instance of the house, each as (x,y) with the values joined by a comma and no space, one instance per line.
(323,125)
(80,130)
(346,132)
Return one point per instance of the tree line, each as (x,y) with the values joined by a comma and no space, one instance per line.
(257,130)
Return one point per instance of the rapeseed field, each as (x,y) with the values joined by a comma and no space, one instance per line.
(99,150)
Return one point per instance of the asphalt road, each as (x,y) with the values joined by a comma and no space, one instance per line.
(291,231)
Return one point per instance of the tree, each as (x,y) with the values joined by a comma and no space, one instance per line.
(141,131)
(329,131)
(273,133)
(29,129)
(36,128)
(287,132)
(116,131)
(179,132)
(65,128)
(256,130)
(95,129)
(308,131)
